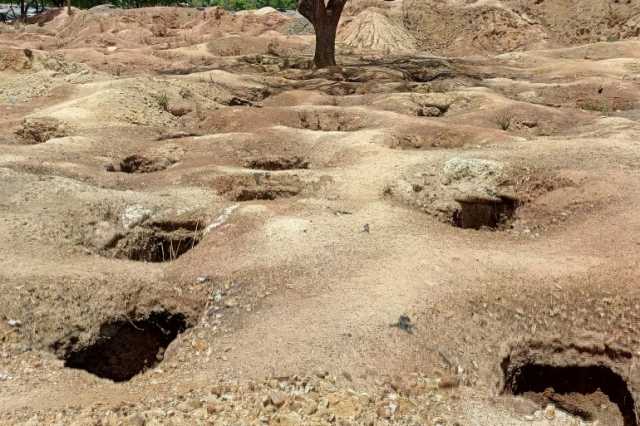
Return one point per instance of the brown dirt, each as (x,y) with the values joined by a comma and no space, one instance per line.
(212,235)
(506,25)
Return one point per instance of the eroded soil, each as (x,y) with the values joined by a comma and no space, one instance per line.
(405,240)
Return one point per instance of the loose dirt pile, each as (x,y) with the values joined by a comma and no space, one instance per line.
(371,31)
(490,26)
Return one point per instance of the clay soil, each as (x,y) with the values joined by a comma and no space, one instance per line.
(199,228)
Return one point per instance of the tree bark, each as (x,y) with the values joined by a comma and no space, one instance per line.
(325,55)
(325,16)
(23,11)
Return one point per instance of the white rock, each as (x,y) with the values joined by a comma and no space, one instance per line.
(134,215)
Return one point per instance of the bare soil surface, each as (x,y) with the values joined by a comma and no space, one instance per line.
(199,228)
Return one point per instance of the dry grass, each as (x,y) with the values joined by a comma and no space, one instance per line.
(504,119)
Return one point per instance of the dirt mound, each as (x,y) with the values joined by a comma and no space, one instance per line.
(15,59)
(271,43)
(158,26)
(40,129)
(584,21)
(460,28)
(470,193)
(501,26)
(372,31)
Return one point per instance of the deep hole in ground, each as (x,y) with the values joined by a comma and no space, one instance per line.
(581,390)
(476,213)
(140,164)
(160,241)
(126,348)
(264,193)
(272,163)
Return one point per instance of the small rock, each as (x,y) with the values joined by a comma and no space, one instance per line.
(287,419)
(200,413)
(134,215)
(178,109)
(386,409)
(344,405)
(213,406)
(448,382)
(322,374)
(430,111)
(550,412)
(200,345)
(134,420)
(278,398)
(40,129)
(14,323)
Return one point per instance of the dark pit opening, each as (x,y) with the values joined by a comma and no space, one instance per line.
(125,348)
(264,193)
(160,241)
(574,389)
(482,213)
(277,163)
(140,164)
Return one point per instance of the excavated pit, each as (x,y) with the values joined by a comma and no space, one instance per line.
(475,213)
(126,348)
(582,381)
(160,241)
(139,164)
(277,163)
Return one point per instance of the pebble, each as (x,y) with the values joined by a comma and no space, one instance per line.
(550,412)
(135,420)
(278,398)
(448,382)
(14,323)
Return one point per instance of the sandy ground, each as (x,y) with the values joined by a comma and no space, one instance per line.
(404,240)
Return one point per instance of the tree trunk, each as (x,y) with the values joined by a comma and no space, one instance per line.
(325,55)
(23,11)
(324,15)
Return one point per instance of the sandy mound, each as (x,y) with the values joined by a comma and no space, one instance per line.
(373,31)
(459,28)
(491,26)
(162,27)
(585,21)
